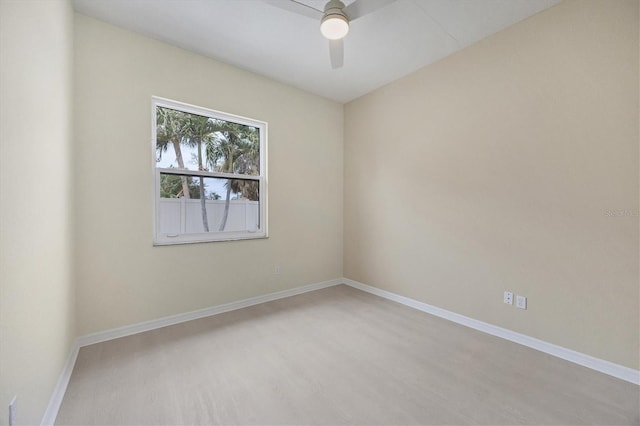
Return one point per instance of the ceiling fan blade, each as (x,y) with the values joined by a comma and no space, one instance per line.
(296,7)
(359,8)
(336,52)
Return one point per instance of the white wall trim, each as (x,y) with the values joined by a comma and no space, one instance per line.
(606,367)
(615,370)
(103,336)
(55,401)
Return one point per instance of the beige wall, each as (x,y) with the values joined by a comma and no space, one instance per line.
(121,278)
(36,292)
(494,169)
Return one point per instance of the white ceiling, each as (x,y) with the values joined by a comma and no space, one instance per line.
(257,36)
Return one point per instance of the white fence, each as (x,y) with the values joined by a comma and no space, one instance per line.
(181,216)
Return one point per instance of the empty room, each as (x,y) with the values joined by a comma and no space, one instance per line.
(313,212)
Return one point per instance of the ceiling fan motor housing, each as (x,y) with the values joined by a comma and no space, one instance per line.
(335,22)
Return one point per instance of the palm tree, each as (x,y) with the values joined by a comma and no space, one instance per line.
(184,129)
(248,163)
(170,126)
(200,130)
(221,156)
(235,148)
(171,186)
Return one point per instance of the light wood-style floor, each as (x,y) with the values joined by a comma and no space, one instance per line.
(334,356)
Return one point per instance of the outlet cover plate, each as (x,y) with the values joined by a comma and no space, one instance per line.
(508,298)
(521,302)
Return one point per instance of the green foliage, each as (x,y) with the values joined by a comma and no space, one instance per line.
(171,186)
(235,148)
(221,146)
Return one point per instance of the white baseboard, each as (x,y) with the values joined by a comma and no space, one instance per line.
(615,370)
(597,364)
(128,330)
(55,402)
(51,413)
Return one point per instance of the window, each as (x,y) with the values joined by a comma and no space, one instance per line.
(209,175)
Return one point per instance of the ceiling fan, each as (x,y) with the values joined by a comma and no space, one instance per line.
(334,20)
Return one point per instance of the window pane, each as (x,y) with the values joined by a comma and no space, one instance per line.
(195,142)
(229,205)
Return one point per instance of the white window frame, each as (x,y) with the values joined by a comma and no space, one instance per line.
(212,236)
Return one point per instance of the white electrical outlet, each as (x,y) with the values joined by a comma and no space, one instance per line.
(508,298)
(276,270)
(12,412)
(521,302)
